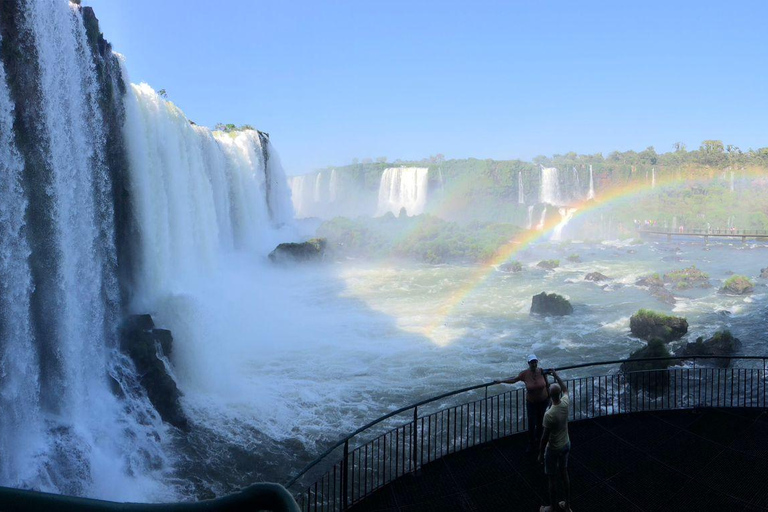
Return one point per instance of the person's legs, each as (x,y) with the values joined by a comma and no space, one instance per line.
(531,410)
(565,481)
(541,408)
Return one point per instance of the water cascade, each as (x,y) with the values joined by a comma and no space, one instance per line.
(550,187)
(333,186)
(403,187)
(520,193)
(591,194)
(530,217)
(542,220)
(566,215)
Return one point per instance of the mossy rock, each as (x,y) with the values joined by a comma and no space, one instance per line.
(650,280)
(722,343)
(575,258)
(737,285)
(687,278)
(650,325)
(550,305)
(649,376)
(311,250)
(548,264)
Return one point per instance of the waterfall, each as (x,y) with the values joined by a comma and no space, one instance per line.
(196,193)
(333,186)
(653,177)
(566,215)
(530,217)
(542,220)
(318,190)
(591,194)
(65,428)
(550,187)
(403,187)
(520,193)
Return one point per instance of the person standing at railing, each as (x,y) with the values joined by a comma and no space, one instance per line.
(536,398)
(556,445)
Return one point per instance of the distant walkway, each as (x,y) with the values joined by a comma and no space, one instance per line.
(707,233)
(709,459)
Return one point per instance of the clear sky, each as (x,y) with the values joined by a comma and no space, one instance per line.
(337,80)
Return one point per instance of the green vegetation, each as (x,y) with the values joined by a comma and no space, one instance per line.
(548,264)
(511,266)
(423,238)
(650,325)
(574,258)
(230,128)
(738,285)
(687,278)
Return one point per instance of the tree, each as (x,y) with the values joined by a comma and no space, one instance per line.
(381,159)
(163,94)
(680,147)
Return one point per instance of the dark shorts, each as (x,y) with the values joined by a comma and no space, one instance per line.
(555,460)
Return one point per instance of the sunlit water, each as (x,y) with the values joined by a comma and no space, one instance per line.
(290,362)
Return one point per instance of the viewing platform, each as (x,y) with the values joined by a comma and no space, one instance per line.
(707,233)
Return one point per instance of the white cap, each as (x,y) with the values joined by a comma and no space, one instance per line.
(532,357)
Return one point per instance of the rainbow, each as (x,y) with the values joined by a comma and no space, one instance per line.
(606,198)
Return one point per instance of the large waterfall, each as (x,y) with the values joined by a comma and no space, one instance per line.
(110,199)
(403,187)
(520,192)
(591,193)
(550,186)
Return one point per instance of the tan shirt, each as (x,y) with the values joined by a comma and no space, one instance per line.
(556,420)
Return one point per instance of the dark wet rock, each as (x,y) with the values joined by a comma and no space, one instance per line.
(724,312)
(663,295)
(737,285)
(548,264)
(650,325)
(764,273)
(655,285)
(729,272)
(596,276)
(311,250)
(650,280)
(723,343)
(511,266)
(550,305)
(687,278)
(148,347)
(575,258)
(649,376)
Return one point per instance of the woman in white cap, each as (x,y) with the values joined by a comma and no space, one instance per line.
(536,398)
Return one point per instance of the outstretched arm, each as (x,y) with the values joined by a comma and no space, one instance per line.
(559,381)
(510,380)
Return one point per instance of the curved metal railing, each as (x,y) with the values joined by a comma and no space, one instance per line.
(406,439)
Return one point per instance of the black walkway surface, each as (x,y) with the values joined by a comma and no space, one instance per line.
(712,459)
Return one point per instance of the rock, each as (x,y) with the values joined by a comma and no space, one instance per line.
(650,325)
(764,273)
(650,280)
(687,278)
(655,285)
(575,258)
(737,285)
(654,376)
(663,295)
(724,312)
(596,276)
(511,266)
(548,264)
(723,343)
(146,345)
(311,250)
(671,258)
(550,305)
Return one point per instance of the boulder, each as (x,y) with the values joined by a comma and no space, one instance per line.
(655,285)
(650,325)
(596,276)
(650,281)
(311,250)
(550,305)
(687,278)
(737,285)
(575,258)
(722,343)
(650,376)
(511,266)
(148,348)
(548,264)
(764,273)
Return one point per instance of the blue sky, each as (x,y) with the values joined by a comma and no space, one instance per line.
(337,80)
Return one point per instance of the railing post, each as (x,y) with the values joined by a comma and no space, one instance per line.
(345,477)
(414,440)
(486,414)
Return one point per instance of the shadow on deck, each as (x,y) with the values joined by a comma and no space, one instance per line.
(708,459)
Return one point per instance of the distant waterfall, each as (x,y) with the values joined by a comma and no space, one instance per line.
(550,186)
(591,194)
(566,215)
(520,193)
(542,220)
(325,195)
(530,217)
(403,187)
(195,192)
(318,190)
(333,186)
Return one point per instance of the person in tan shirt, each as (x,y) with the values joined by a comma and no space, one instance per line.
(556,445)
(536,397)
